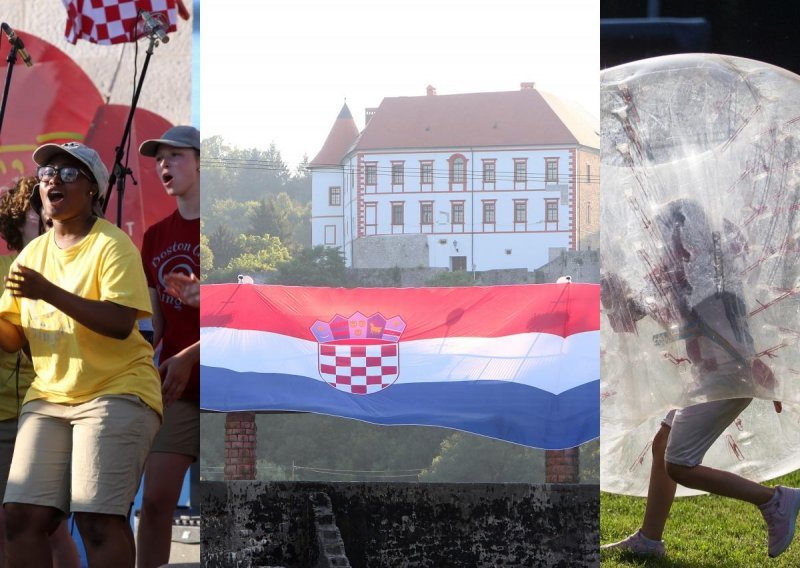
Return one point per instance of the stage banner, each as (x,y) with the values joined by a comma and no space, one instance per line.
(515,363)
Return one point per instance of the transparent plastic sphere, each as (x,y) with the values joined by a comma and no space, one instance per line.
(701,276)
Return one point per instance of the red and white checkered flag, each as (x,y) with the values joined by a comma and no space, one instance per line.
(114,21)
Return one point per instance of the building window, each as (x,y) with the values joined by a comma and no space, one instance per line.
(489,171)
(397,173)
(458,171)
(489,212)
(330,234)
(426,173)
(397,213)
(520,211)
(520,170)
(550,214)
(371,218)
(426,212)
(551,170)
(335,196)
(457,212)
(552,211)
(371,174)
(588,173)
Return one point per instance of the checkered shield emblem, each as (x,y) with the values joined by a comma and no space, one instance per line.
(359,354)
(359,369)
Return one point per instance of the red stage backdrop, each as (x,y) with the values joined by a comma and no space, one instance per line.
(147,202)
(53,101)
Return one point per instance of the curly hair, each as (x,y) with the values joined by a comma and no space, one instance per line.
(13,206)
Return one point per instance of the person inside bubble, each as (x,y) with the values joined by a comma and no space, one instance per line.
(694,296)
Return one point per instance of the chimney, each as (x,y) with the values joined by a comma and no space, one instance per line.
(368,114)
(431,91)
(527,86)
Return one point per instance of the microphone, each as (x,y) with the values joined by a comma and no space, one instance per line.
(155,25)
(17,43)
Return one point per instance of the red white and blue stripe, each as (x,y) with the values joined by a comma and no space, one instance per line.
(516,363)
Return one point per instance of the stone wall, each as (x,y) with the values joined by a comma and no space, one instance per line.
(388,251)
(397,525)
(582,265)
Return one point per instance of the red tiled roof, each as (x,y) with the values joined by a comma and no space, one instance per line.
(340,138)
(509,118)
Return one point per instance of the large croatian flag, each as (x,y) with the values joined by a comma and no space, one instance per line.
(516,363)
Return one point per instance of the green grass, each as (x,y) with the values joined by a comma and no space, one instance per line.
(702,532)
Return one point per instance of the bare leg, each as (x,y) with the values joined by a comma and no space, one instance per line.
(720,483)
(661,492)
(27,530)
(107,539)
(163,478)
(2,536)
(64,550)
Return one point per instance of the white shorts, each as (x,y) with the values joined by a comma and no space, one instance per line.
(694,429)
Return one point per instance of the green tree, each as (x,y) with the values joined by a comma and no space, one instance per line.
(299,186)
(318,266)
(243,174)
(216,181)
(339,449)
(475,459)
(230,213)
(259,254)
(224,245)
(590,462)
(206,257)
(212,458)
(283,217)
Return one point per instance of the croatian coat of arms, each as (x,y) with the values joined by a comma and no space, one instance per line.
(359,354)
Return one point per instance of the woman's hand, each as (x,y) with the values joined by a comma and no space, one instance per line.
(24,282)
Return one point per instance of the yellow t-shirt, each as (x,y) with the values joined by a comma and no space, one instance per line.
(74,364)
(13,384)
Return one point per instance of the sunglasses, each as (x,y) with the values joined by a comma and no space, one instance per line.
(67,174)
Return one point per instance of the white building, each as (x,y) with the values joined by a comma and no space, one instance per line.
(474,181)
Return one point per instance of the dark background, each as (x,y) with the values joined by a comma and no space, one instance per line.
(757,29)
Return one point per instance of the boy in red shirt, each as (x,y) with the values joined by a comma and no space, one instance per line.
(172,246)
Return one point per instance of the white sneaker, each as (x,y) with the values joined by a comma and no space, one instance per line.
(780,512)
(638,544)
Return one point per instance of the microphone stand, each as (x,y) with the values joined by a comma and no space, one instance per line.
(120,172)
(12,60)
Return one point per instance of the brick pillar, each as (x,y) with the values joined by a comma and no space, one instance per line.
(240,446)
(562,466)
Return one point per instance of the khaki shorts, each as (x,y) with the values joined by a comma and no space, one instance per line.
(694,429)
(8,433)
(180,432)
(85,458)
